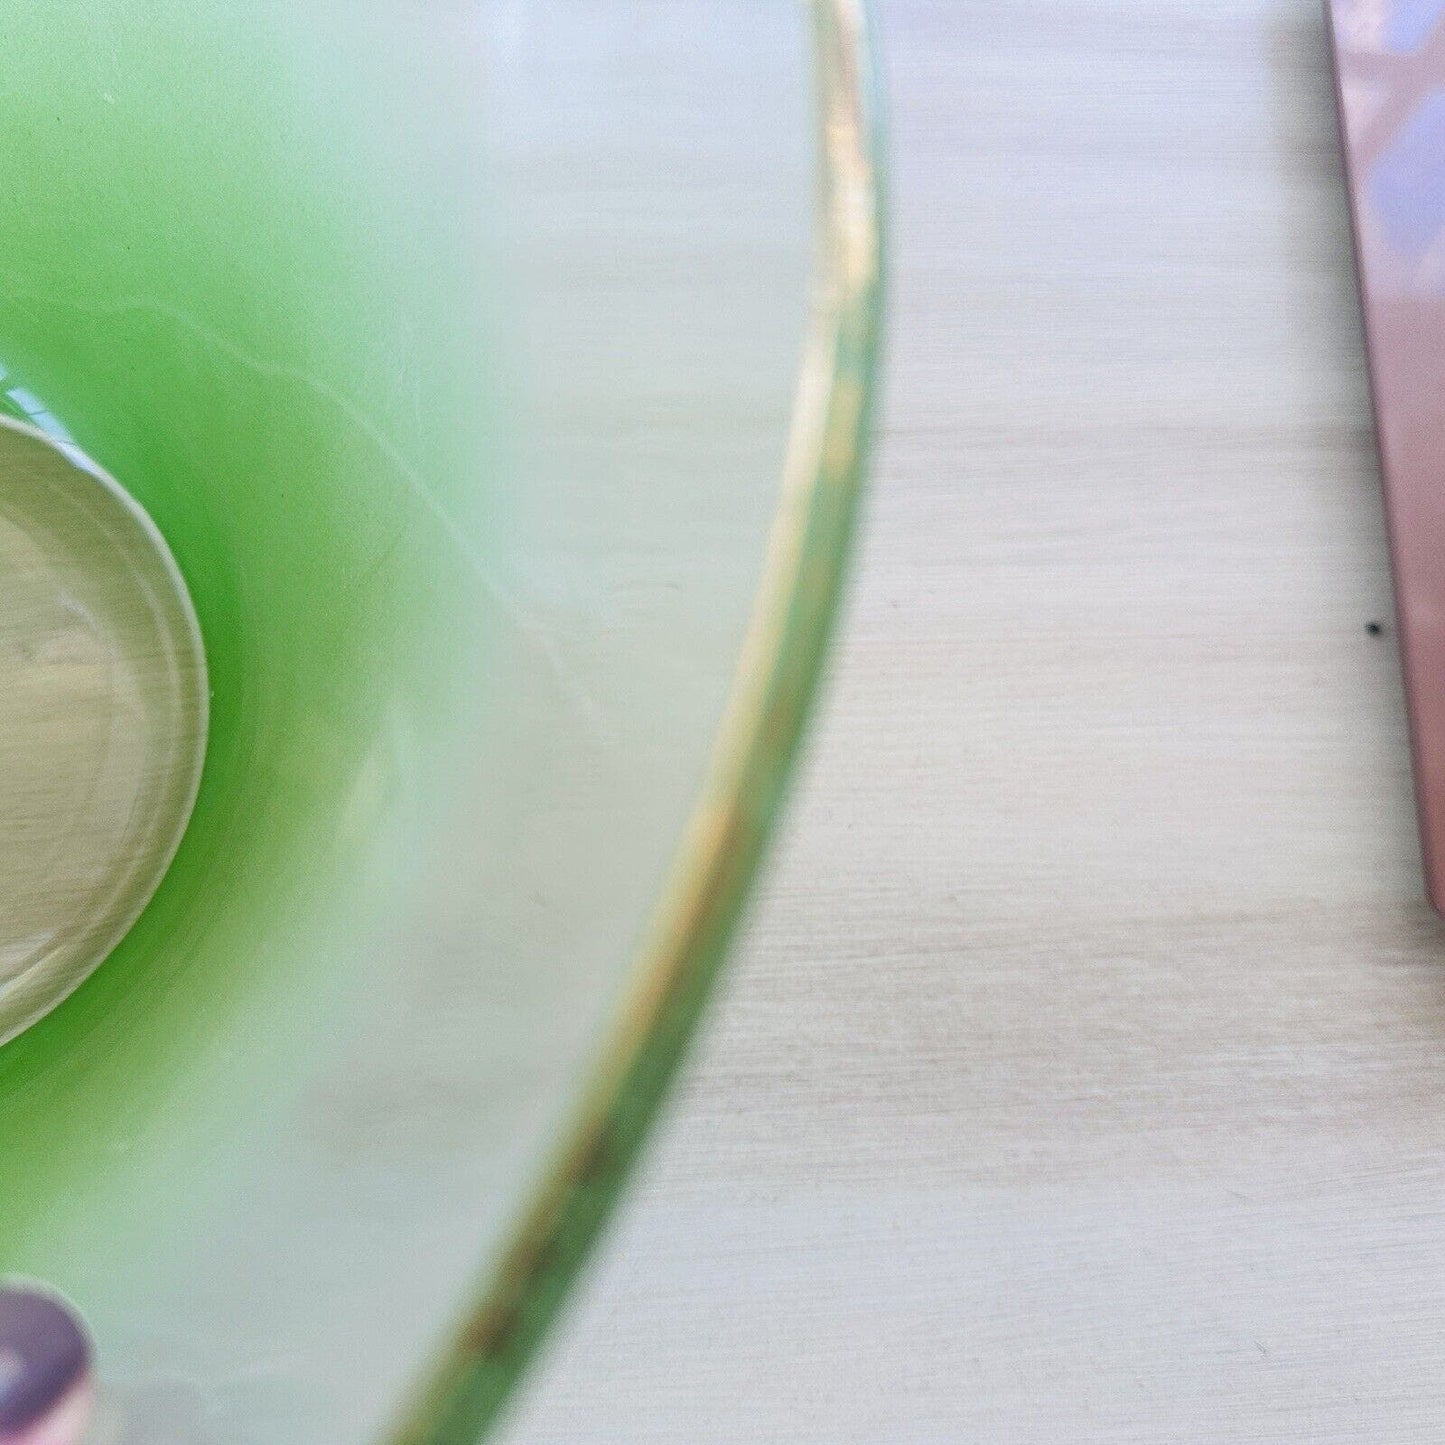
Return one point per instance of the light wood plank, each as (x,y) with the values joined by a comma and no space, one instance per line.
(1083,1075)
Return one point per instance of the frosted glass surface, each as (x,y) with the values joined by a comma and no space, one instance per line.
(452,348)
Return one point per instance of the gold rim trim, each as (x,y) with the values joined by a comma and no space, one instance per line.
(775,679)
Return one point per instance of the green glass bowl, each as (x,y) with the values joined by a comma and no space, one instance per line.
(455,351)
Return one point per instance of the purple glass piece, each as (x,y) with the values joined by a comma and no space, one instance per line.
(1407,183)
(1412,21)
(1392,113)
(44,1362)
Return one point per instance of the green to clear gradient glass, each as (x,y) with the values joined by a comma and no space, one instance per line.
(454,351)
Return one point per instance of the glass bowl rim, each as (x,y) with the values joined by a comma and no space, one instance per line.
(508,1313)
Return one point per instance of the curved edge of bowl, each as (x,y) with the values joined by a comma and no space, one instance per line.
(486,1352)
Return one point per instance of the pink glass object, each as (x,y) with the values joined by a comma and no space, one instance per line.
(45,1377)
(1390,64)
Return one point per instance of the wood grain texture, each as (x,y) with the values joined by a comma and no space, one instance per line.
(1083,1075)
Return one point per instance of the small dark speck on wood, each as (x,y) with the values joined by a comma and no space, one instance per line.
(1375,629)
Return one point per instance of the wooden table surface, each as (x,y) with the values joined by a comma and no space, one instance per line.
(1082,1077)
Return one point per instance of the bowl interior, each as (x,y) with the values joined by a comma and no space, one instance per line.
(452,349)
